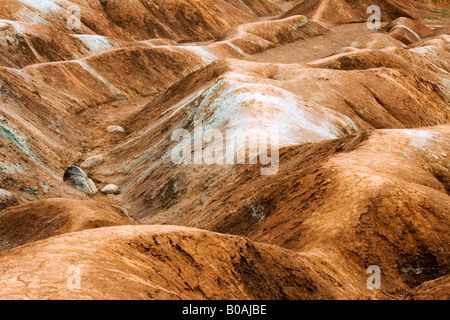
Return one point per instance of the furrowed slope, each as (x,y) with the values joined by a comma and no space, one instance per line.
(438,289)
(156,262)
(34,139)
(46,218)
(331,12)
(23,43)
(359,119)
(391,188)
(184,20)
(140,19)
(47,107)
(354,100)
(60,102)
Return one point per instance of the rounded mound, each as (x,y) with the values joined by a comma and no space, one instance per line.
(46,218)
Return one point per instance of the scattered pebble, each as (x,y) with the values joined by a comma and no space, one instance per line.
(30,190)
(45,188)
(115,129)
(111,189)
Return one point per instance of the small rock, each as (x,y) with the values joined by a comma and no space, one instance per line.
(92,162)
(111,189)
(80,180)
(45,188)
(30,190)
(115,129)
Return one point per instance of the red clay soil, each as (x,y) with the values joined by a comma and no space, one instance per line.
(364,149)
(42,219)
(315,48)
(332,12)
(143,19)
(431,290)
(163,262)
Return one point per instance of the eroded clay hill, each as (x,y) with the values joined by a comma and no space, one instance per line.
(362,175)
(160,262)
(334,12)
(42,219)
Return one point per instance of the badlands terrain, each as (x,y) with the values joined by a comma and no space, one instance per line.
(93,205)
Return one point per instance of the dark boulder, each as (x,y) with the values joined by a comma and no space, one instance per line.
(80,180)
